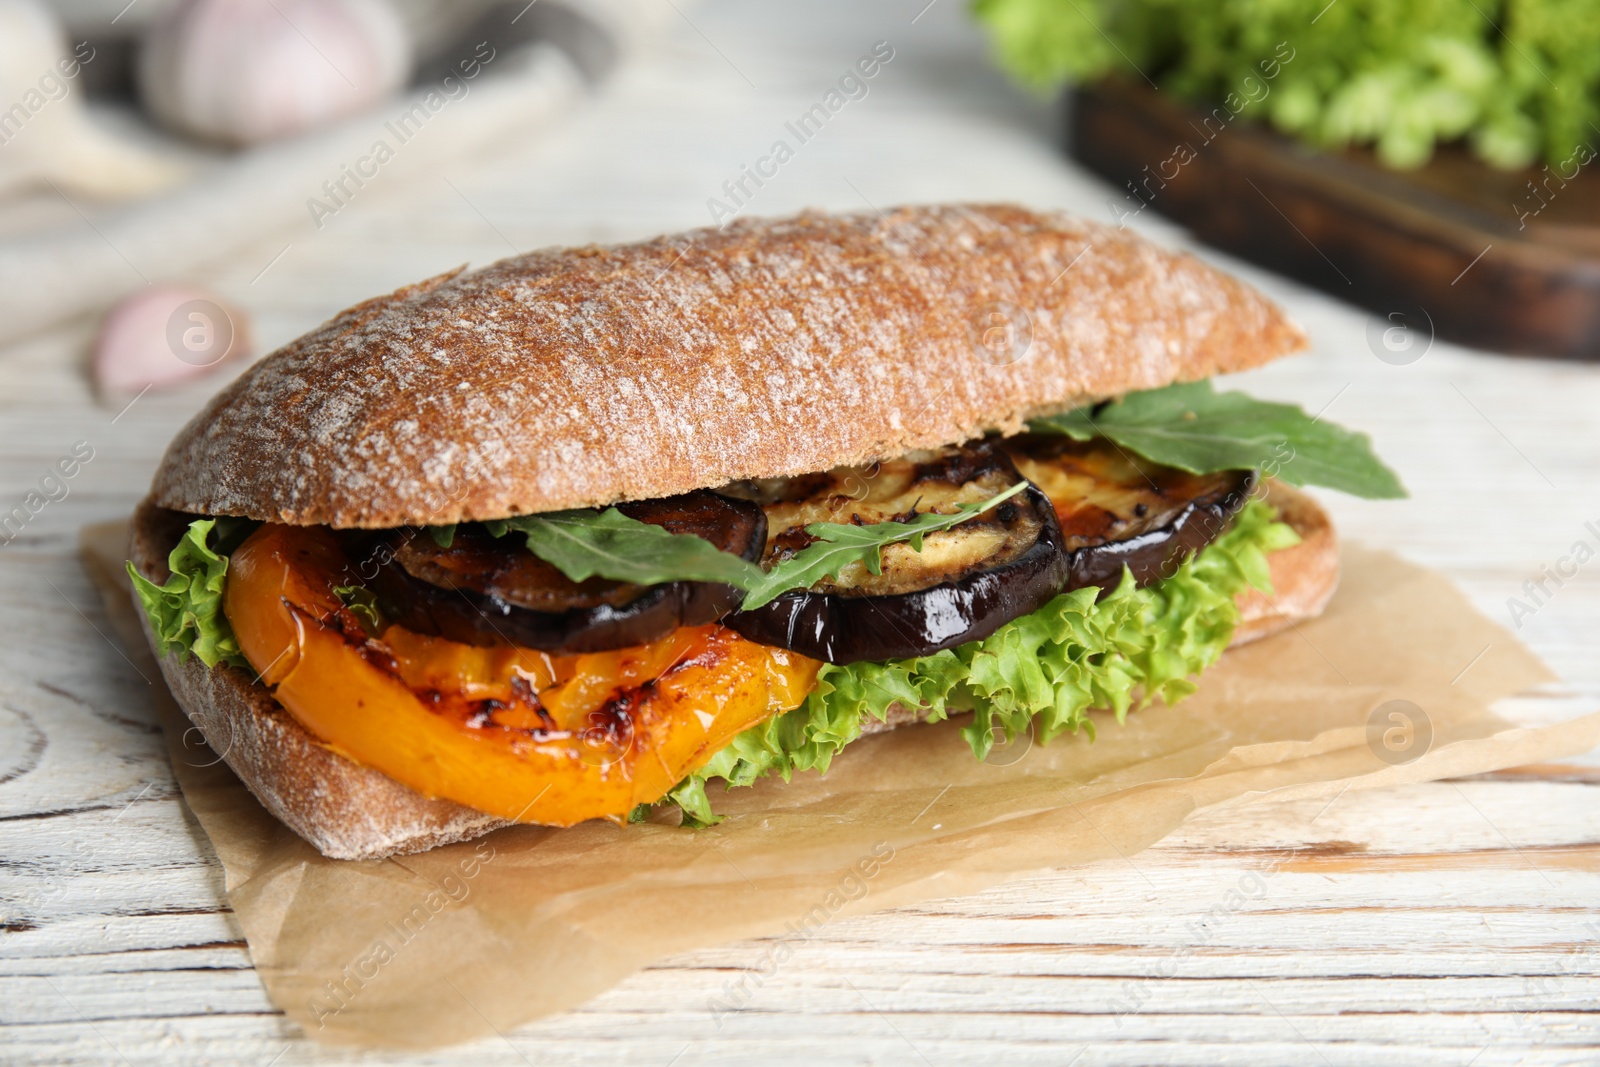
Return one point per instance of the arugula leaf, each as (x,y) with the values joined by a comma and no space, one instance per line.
(1189,426)
(186,612)
(585,543)
(840,544)
(443,536)
(363,604)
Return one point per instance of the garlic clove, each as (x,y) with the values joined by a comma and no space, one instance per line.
(46,133)
(245,71)
(164,335)
(90,160)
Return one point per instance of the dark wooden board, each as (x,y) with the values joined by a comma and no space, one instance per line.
(1474,254)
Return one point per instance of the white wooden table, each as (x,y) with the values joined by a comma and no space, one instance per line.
(1452,923)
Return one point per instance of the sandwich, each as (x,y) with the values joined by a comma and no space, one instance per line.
(600,532)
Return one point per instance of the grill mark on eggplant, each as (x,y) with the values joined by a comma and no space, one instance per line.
(1119,510)
(484,604)
(897,491)
(918,605)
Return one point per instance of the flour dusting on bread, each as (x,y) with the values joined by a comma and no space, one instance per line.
(579,377)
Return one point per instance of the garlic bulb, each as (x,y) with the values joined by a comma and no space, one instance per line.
(245,71)
(163,335)
(46,134)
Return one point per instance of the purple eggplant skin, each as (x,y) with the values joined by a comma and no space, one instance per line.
(478,612)
(1157,554)
(484,619)
(840,628)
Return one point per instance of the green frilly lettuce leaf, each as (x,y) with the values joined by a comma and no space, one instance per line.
(1044,671)
(186,611)
(608,544)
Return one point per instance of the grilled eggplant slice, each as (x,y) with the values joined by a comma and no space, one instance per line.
(1120,510)
(966,582)
(484,590)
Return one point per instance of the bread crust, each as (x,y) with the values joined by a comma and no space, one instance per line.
(1304,576)
(352,812)
(581,377)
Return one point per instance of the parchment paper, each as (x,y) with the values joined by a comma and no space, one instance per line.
(454,943)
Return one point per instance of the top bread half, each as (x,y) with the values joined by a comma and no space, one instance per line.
(581,377)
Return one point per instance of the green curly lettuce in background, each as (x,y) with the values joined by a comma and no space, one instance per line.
(1044,671)
(1517,80)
